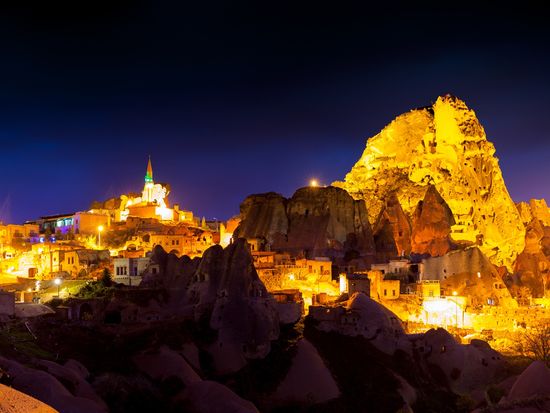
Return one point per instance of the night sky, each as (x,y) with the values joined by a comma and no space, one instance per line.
(231,99)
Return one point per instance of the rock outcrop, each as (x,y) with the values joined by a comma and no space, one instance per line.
(532,266)
(316,221)
(165,364)
(432,222)
(534,209)
(48,389)
(308,381)
(228,296)
(443,145)
(470,273)
(362,316)
(263,216)
(533,381)
(466,367)
(13,401)
(392,231)
(212,397)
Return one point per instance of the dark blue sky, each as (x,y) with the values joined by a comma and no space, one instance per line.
(233,99)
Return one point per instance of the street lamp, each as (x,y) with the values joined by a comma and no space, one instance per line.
(456,308)
(99,230)
(57,282)
(314,183)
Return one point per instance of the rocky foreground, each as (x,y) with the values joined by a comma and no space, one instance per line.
(217,345)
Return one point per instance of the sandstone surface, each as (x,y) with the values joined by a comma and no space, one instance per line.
(211,397)
(432,222)
(392,231)
(443,145)
(532,266)
(315,221)
(308,381)
(13,401)
(229,297)
(46,388)
(466,367)
(470,273)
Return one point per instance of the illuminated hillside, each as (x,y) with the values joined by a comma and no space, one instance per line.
(442,145)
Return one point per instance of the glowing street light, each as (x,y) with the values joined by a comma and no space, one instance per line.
(57,282)
(314,183)
(99,231)
(456,308)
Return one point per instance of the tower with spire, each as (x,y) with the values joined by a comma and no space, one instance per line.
(149,184)
(149,173)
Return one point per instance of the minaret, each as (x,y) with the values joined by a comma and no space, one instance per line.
(149,174)
(148,188)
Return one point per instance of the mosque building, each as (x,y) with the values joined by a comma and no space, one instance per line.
(153,203)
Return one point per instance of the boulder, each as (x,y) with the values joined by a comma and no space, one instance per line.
(533,381)
(467,368)
(532,266)
(308,380)
(78,368)
(13,401)
(46,388)
(212,397)
(230,299)
(73,381)
(164,364)
(376,323)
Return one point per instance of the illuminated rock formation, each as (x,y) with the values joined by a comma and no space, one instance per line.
(469,273)
(316,221)
(392,233)
(263,216)
(532,266)
(535,208)
(442,145)
(13,401)
(432,222)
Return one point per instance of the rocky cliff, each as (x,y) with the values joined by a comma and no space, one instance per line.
(443,145)
(432,223)
(316,221)
(224,295)
(228,295)
(532,266)
(392,233)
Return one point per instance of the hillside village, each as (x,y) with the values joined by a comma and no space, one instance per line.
(419,256)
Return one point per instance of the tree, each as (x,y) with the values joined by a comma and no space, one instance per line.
(535,343)
(106,278)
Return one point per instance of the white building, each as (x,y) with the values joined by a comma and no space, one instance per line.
(129,271)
